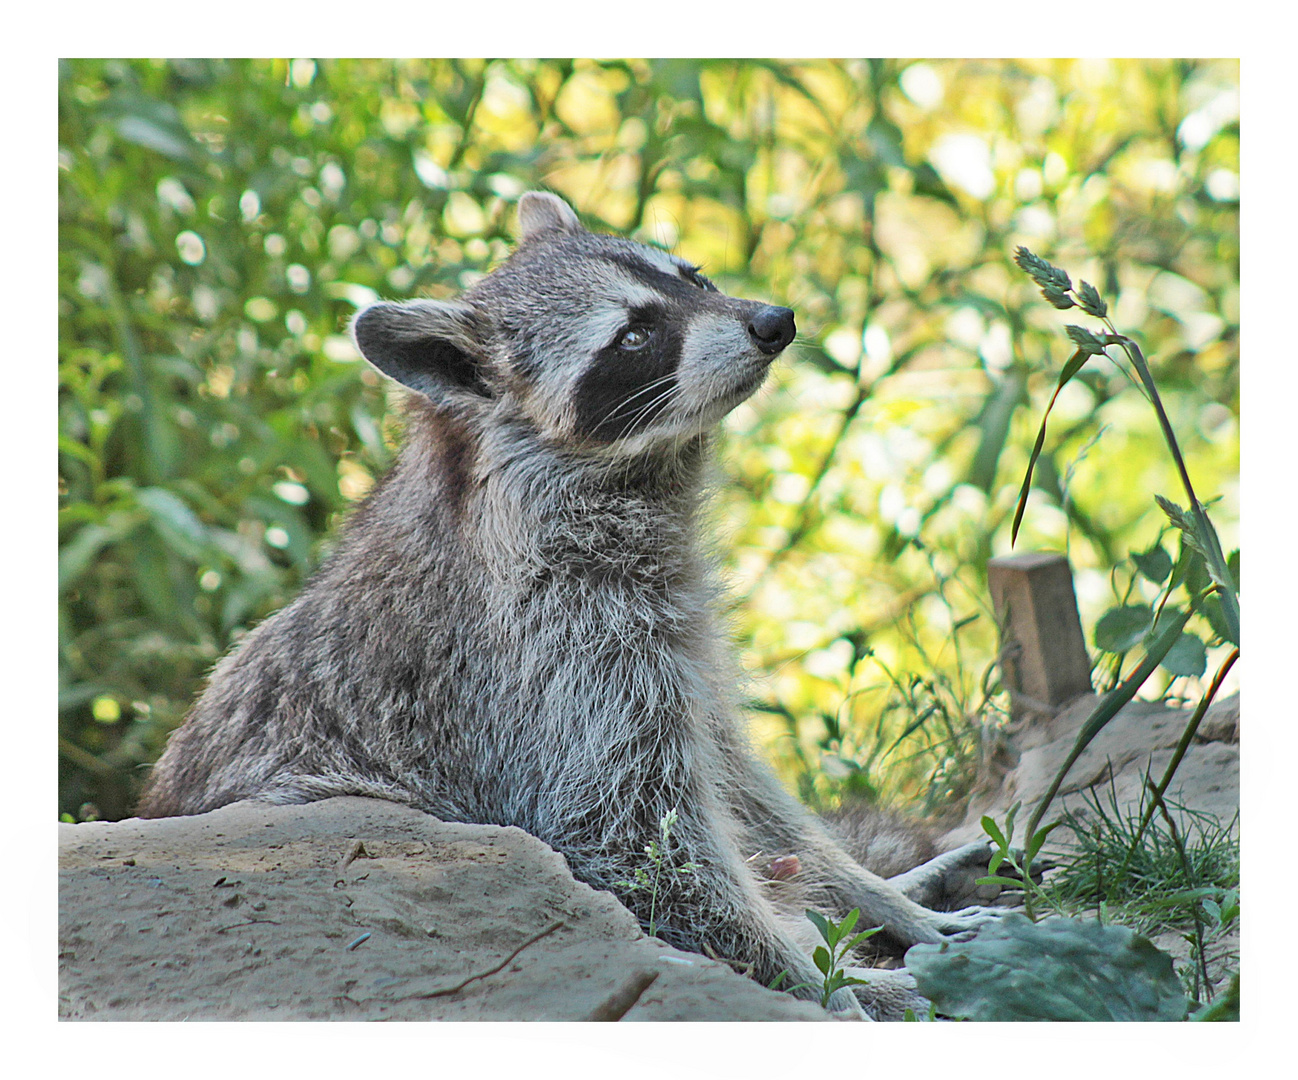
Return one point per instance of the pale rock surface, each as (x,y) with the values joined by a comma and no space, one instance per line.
(253,912)
(1140,739)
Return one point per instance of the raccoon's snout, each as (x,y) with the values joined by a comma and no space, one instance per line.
(772,329)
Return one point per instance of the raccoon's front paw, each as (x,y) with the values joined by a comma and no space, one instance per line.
(888,993)
(843,1005)
(963,924)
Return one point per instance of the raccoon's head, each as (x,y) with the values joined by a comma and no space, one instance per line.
(597,341)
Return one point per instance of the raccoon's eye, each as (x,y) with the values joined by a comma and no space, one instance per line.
(635,338)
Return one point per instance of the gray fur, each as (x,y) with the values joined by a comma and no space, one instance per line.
(517,626)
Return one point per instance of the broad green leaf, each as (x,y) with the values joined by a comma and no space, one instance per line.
(820,923)
(1187,657)
(1058,969)
(1121,629)
(1155,563)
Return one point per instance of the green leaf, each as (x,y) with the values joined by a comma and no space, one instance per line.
(1210,608)
(1121,629)
(864,935)
(1001,880)
(993,830)
(1075,364)
(822,959)
(1155,564)
(820,923)
(1188,656)
(176,523)
(1038,838)
(1058,969)
(173,141)
(1191,570)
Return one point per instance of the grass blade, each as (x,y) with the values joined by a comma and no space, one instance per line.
(1074,365)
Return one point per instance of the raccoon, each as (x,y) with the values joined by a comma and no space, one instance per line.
(518,626)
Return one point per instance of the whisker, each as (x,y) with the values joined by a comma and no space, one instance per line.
(643,413)
(646,388)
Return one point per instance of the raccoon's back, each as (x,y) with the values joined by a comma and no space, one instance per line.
(356,677)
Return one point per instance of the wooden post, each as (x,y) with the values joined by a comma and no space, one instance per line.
(1044,661)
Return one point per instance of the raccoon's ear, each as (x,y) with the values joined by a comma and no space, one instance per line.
(539,211)
(430,346)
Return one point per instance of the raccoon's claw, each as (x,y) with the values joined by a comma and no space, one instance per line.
(964,924)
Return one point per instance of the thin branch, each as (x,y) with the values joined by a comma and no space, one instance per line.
(448,990)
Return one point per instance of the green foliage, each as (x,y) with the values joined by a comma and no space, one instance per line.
(1111,862)
(221,220)
(1224,1008)
(1178,872)
(1162,632)
(1058,969)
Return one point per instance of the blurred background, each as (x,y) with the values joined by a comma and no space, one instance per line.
(221,221)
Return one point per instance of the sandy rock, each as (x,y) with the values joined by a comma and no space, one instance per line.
(1221,721)
(1140,740)
(276,912)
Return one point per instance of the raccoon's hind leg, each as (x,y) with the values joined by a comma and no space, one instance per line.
(831,878)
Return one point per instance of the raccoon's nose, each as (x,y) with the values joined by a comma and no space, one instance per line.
(771,328)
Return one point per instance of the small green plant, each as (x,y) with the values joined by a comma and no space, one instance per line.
(660,854)
(1020,861)
(839,943)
